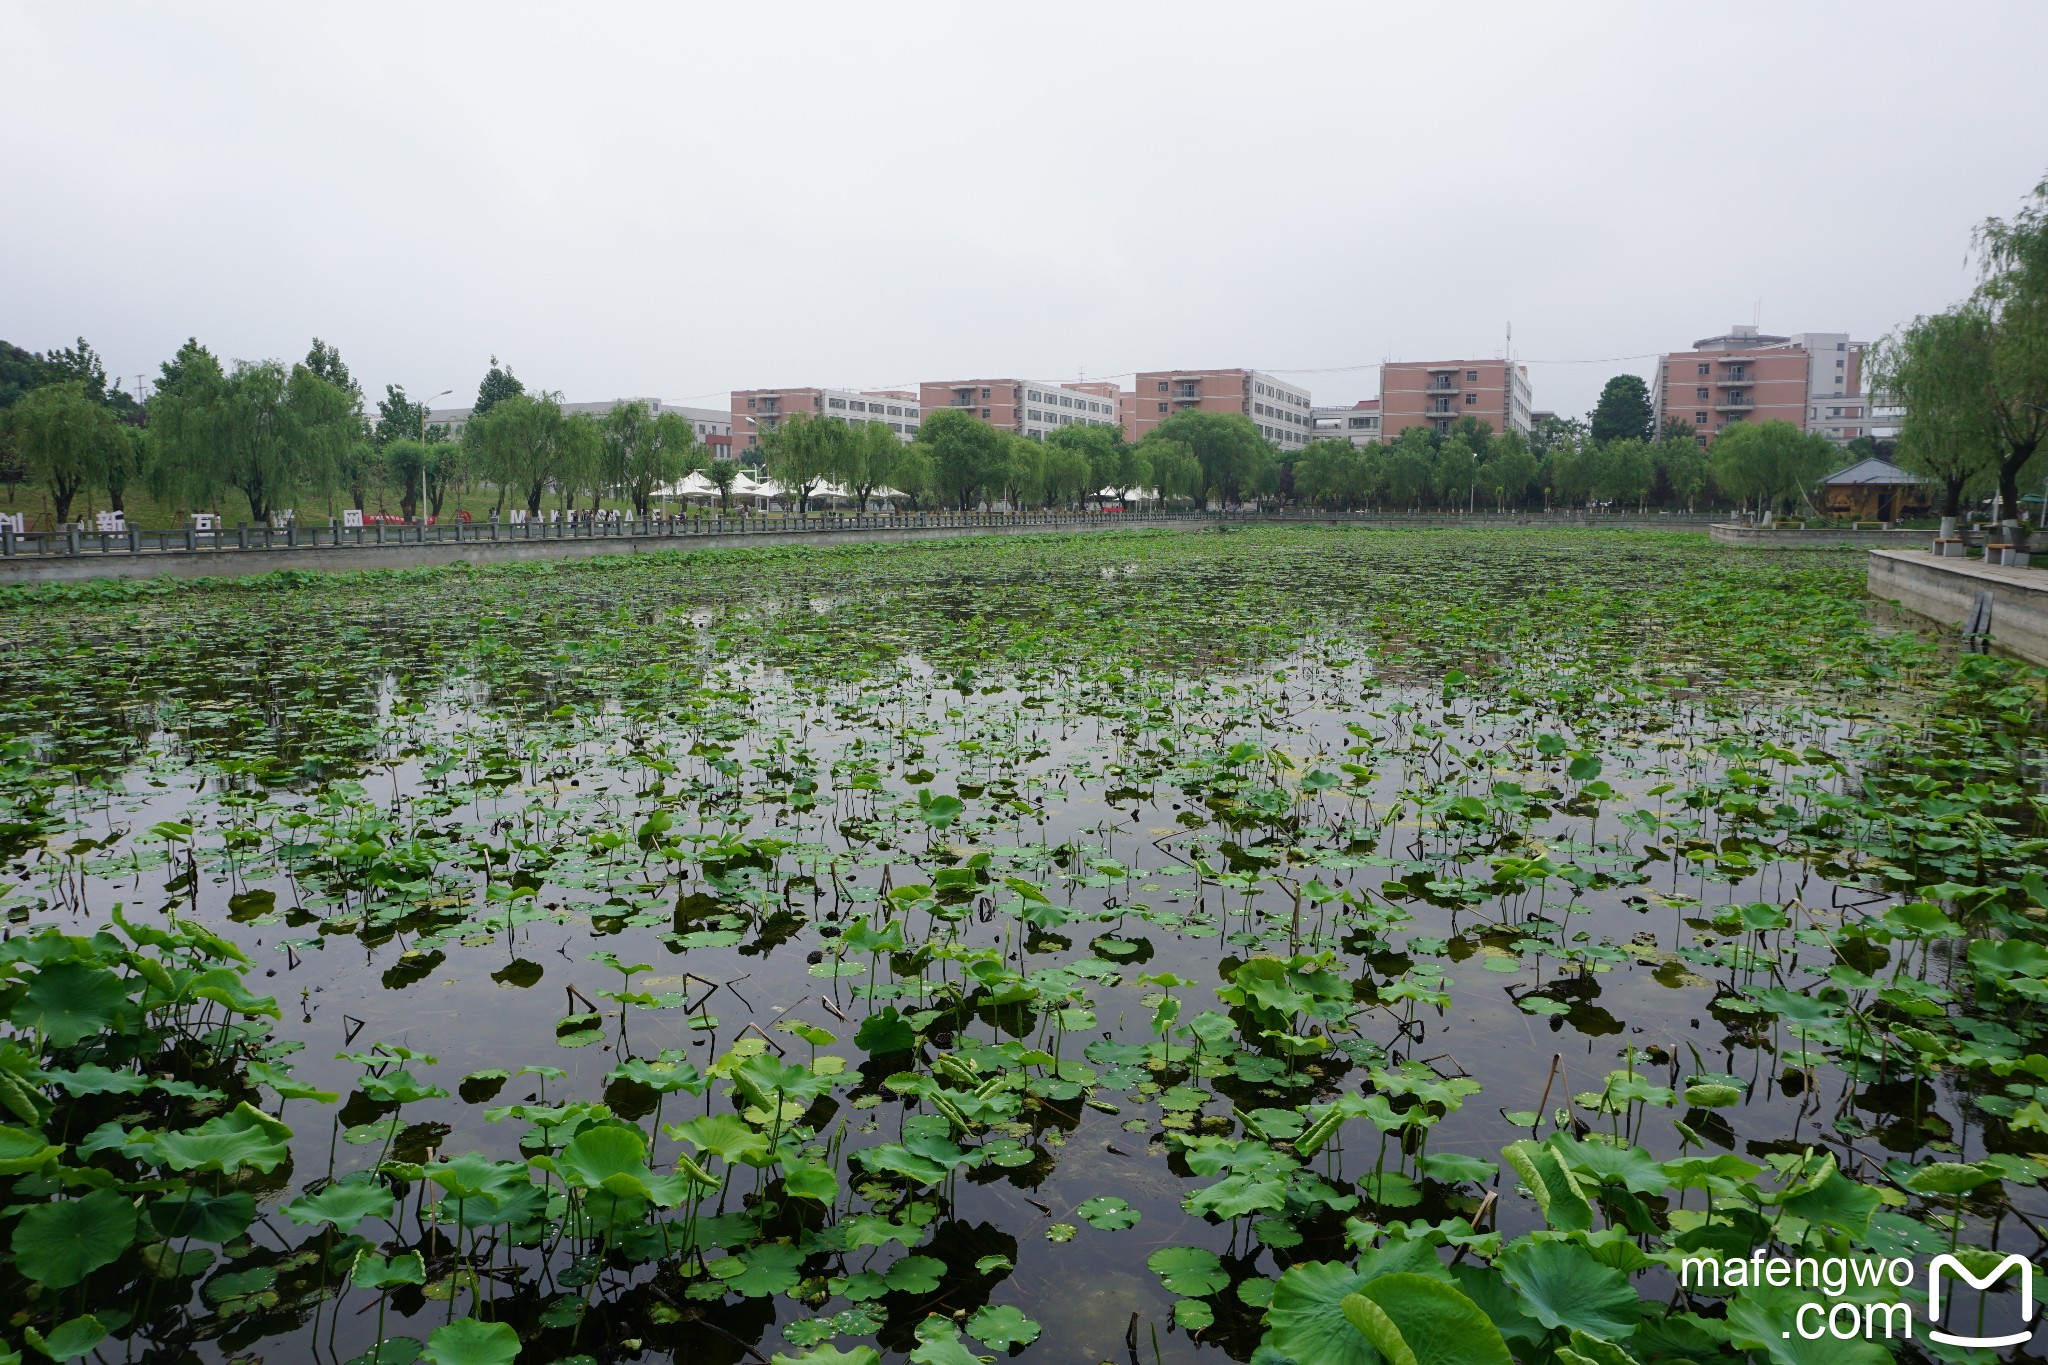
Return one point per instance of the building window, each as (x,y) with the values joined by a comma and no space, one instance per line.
(984,411)
(1162,406)
(1471,399)
(984,393)
(1699,419)
(1706,369)
(1701,394)
(750,405)
(1162,386)
(839,402)
(1471,376)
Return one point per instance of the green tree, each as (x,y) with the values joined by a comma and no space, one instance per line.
(66,439)
(803,451)
(1455,472)
(1477,434)
(1683,463)
(1623,412)
(1569,469)
(1021,480)
(1509,470)
(1334,473)
(405,465)
(361,465)
(325,361)
(871,457)
(723,474)
(1624,471)
(1170,469)
(916,475)
(265,430)
(522,443)
(499,383)
(1236,461)
(1068,476)
(1411,469)
(1769,464)
(447,464)
(2013,293)
(399,418)
(1553,430)
(21,371)
(1115,466)
(127,460)
(966,454)
(1940,369)
(643,451)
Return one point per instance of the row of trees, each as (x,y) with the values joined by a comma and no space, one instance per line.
(956,459)
(1562,464)
(1973,379)
(278,433)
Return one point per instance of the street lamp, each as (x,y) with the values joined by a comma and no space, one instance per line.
(423,454)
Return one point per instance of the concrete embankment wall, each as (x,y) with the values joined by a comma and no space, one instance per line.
(1945,591)
(1814,537)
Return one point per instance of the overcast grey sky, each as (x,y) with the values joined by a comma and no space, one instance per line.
(679,200)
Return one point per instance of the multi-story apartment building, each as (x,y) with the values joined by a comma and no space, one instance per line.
(1813,380)
(714,425)
(758,411)
(1281,411)
(1836,405)
(1358,424)
(1437,394)
(1027,407)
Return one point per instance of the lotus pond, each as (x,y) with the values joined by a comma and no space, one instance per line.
(1310,945)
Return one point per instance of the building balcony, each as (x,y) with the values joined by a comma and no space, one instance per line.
(1734,377)
(1439,387)
(1733,401)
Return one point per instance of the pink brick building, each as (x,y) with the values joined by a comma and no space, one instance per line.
(1814,380)
(1027,407)
(1436,394)
(757,411)
(1281,411)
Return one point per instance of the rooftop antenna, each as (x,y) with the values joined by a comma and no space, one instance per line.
(1757,318)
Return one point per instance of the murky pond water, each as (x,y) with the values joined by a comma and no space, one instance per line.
(1040,943)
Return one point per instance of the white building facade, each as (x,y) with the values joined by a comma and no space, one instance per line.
(1358,424)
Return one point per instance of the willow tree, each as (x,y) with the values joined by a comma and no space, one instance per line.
(1772,464)
(1940,370)
(526,442)
(966,455)
(2013,293)
(261,429)
(644,451)
(870,461)
(66,440)
(802,452)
